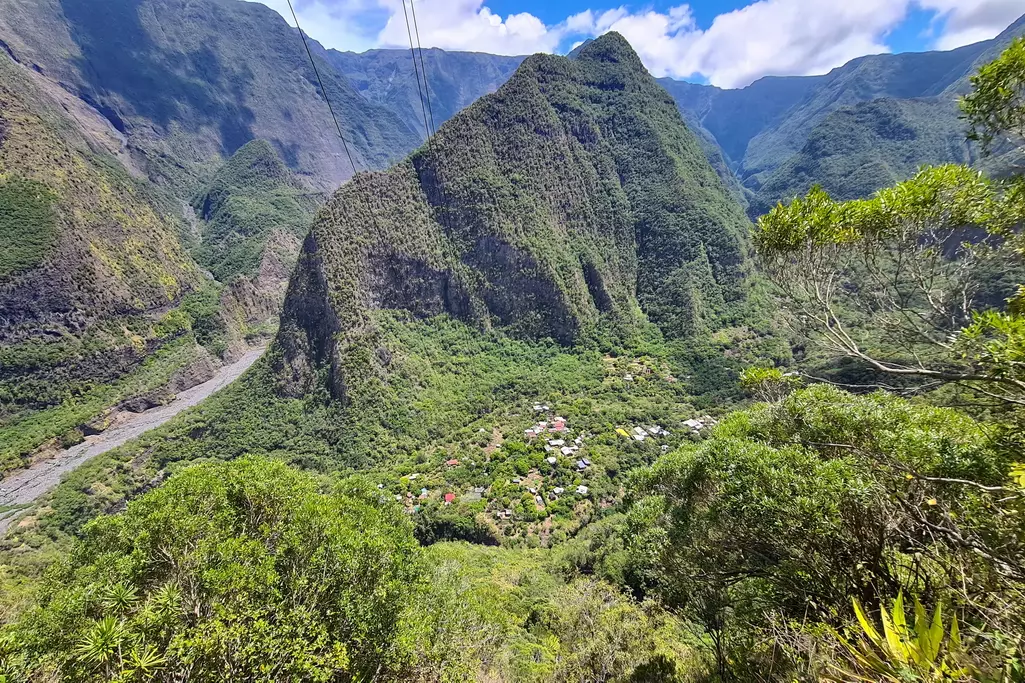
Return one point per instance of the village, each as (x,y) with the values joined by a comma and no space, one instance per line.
(524,483)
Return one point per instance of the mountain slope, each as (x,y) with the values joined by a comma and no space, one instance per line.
(856,150)
(455,80)
(91,267)
(842,129)
(189,83)
(251,198)
(569,197)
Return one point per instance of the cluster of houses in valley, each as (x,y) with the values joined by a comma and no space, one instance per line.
(559,443)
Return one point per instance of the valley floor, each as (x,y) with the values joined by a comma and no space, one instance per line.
(23,487)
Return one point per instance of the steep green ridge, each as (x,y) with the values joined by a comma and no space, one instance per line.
(856,150)
(455,80)
(189,83)
(252,197)
(90,266)
(560,203)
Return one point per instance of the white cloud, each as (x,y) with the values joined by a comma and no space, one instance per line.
(469,25)
(969,21)
(766,37)
(342,24)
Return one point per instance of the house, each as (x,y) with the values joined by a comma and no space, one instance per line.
(578,441)
(452,463)
(665,448)
(640,437)
(450,498)
(539,500)
(551,460)
(581,465)
(582,490)
(414,476)
(556,442)
(639,431)
(478,489)
(622,432)
(516,480)
(587,462)
(532,489)
(471,497)
(628,377)
(566,450)
(558,489)
(695,425)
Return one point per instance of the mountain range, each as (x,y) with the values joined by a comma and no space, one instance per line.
(204,126)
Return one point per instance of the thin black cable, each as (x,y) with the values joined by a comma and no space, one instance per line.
(423,67)
(416,70)
(331,109)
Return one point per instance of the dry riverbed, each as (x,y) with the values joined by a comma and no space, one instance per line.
(23,487)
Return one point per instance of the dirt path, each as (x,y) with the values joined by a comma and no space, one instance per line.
(23,487)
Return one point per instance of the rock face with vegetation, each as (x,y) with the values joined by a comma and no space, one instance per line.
(254,214)
(563,202)
(189,83)
(91,256)
(454,80)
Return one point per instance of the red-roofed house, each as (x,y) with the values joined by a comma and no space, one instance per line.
(450,498)
(452,463)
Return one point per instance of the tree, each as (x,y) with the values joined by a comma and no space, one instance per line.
(241,571)
(903,281)
(996,106)
(893,279)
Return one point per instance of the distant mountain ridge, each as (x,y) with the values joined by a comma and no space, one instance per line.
(777,133)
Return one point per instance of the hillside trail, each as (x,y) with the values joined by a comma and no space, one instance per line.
(23,487)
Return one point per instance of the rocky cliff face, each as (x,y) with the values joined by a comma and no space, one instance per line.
(83,238)
(568,199)
(187,82)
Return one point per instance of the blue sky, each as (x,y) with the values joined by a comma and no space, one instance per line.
(728,43)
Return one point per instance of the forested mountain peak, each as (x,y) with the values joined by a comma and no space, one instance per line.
(561,202)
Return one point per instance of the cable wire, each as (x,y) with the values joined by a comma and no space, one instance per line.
(423,67)
(416,70)
(331,109)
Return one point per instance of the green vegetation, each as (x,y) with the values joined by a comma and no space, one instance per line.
(562,235)
(27,225)
(250,197)
(497,388)
(996,104)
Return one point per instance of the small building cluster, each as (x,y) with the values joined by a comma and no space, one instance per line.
(642,433)
(698,425)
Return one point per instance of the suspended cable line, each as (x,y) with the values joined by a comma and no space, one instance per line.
(423,67)
(338,127)
(416,70)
